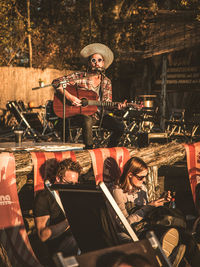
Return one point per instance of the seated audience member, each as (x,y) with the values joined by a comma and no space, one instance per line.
(130,193)
(50,219)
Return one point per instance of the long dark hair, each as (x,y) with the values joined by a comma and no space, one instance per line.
(133,165)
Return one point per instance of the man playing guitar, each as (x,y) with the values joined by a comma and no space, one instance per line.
(99,57)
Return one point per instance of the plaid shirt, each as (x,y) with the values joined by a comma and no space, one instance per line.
(84,82)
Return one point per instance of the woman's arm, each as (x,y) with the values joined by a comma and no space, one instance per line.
(120,199)
(162,200)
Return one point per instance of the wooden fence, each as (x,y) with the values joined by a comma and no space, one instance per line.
(17,84)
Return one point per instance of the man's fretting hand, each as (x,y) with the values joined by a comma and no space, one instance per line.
(122,105)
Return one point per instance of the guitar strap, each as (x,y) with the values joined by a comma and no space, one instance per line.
(101,95)
(101,88)
(77,93)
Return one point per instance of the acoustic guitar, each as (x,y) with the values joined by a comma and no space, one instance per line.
(89,101)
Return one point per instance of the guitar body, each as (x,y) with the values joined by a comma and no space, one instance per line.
(71,110)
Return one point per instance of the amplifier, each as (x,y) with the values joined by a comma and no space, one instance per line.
(161,138)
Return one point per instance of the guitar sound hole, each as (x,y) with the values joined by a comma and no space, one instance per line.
(84,102)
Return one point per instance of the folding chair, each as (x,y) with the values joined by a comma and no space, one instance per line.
(193,165)
(25,119)
(91,259)
(88,210)
(176,124)
(13,235)
(91,221)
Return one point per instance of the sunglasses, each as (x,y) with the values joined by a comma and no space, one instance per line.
(93,60)
(140,178)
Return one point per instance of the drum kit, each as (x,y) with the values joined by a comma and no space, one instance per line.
(139,121)
(148,112)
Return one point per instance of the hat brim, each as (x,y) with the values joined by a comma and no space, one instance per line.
(98,48)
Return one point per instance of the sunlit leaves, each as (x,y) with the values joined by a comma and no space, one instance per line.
(60,28)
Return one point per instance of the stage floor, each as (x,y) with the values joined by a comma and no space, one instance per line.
(43,146)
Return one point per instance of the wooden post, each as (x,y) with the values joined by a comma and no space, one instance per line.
(29,34)
(163,92)
(90,21)
(152,183)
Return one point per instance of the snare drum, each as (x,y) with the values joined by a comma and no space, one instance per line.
(148,100)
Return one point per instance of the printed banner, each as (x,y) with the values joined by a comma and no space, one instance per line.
(9,203)
(108,163)
(13,234)
(193,164)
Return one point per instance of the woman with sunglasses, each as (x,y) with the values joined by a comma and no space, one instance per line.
(130,192)
(98,58)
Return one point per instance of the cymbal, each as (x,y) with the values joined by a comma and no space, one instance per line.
(143,96)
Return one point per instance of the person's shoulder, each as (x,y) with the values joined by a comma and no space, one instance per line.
(107,80)
(79,74)
(41,194)
(144,188)
(117,188)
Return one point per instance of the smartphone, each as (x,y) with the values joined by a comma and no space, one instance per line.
(164,195)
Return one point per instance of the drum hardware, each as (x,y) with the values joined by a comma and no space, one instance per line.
(129,136)
(147,121)
(195,121)
(49,119)
(146,126)
(130,120)
(176,123)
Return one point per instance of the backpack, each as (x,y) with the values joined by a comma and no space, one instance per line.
(167,217)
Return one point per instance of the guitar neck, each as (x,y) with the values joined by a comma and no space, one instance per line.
(108,104)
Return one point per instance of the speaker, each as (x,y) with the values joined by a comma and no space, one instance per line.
(160,138)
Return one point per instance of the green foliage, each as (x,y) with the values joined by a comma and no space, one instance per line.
(60,28)
(12,32)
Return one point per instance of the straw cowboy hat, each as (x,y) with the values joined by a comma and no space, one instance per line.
(97,48)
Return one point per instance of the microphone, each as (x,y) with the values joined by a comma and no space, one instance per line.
(100,71)
(97,71)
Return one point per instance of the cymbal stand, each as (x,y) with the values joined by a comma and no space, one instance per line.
(146,124)
(130,125)
(64,111)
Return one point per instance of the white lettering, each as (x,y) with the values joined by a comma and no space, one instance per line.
(5,200)
(198,179)
(4,197)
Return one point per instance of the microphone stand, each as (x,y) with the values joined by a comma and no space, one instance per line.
(64,102)
(64,111)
